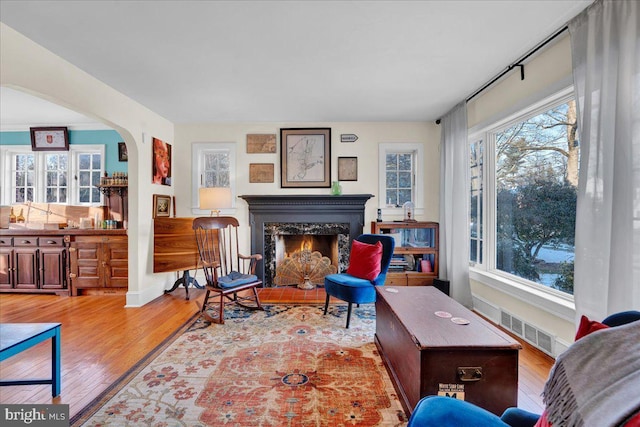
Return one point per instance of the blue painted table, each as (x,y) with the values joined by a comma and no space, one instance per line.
(17,337)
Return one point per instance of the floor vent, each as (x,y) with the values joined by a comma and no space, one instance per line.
(538,338)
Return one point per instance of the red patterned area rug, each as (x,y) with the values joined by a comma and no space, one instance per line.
(286,366)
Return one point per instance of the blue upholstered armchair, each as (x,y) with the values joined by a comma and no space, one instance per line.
(366,271)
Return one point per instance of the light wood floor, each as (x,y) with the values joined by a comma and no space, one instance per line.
(101,340)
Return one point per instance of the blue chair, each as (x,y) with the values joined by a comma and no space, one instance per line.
(448,412)
(354,290)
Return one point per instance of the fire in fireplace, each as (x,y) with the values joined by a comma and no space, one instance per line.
(303,253)
(301,259)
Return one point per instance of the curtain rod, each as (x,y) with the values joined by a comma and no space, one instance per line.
(517,64)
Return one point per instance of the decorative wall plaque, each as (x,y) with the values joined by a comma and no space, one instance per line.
(261,172)
(261,143)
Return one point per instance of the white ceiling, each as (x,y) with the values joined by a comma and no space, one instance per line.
(283,61)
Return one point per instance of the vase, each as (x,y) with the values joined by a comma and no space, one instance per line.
(336,188)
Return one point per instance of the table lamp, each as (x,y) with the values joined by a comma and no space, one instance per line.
(215,199)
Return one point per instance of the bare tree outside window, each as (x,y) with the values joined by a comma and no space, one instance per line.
(536,182)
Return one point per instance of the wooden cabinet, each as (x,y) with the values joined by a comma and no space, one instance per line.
(415,259)
(98,262)
(33,264)
(6,263)
(52,260)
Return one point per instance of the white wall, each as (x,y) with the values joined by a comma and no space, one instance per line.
(26,66)
(365,149)
(550,70)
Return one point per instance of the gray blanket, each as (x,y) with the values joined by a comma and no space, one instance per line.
(596,382)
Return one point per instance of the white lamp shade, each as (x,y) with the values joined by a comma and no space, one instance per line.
(215,198)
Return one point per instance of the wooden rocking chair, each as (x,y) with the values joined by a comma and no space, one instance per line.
(227,272)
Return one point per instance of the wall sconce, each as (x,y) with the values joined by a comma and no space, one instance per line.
(215,199)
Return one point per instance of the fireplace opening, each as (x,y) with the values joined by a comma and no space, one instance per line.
(327,245)
(304,260)
(301,254)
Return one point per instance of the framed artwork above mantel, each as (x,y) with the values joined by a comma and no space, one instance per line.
(305,158)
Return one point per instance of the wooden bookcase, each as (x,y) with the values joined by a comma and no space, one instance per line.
(415,242)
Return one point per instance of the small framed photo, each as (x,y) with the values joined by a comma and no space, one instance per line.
(347,168)
(122,152)
(261,143)
(49,139)
(161,206)
(261,172)
(305,158)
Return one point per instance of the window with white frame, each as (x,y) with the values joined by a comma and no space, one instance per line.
(524,177)
(213,165)
(477,198)
(58,177)
(401,175)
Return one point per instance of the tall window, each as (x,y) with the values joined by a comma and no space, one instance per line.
(215,172)
(531,180)
(399,178)
(477,199)
(23,178)
(213,165)
(56,184)
(89,171)
(401,171)
(52,177)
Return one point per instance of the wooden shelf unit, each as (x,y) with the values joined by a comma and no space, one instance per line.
(415,241)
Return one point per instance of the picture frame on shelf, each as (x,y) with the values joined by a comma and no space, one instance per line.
(305,157)
(161,206)
(347,168)
(49,139)
(123,156)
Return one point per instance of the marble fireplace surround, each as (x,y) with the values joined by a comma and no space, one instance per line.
(314,214)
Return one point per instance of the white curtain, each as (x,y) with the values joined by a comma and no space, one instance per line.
(606,69)
(454,204)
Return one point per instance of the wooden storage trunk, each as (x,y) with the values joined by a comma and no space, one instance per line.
(431,355)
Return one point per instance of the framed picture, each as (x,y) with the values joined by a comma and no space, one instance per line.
(261,143)
(161,166)
(49,139)
(347,168)
(122,152)
(305,158)
(261,172)
(161,206)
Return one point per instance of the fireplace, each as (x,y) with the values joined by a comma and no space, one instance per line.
(278,224)
(285,245)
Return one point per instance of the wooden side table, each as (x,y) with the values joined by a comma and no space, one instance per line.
(17,337)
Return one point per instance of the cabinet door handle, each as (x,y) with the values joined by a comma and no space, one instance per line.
(72,275)
(72,249)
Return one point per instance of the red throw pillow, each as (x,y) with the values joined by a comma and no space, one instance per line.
(543,421)
(364,260)
(587,326)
